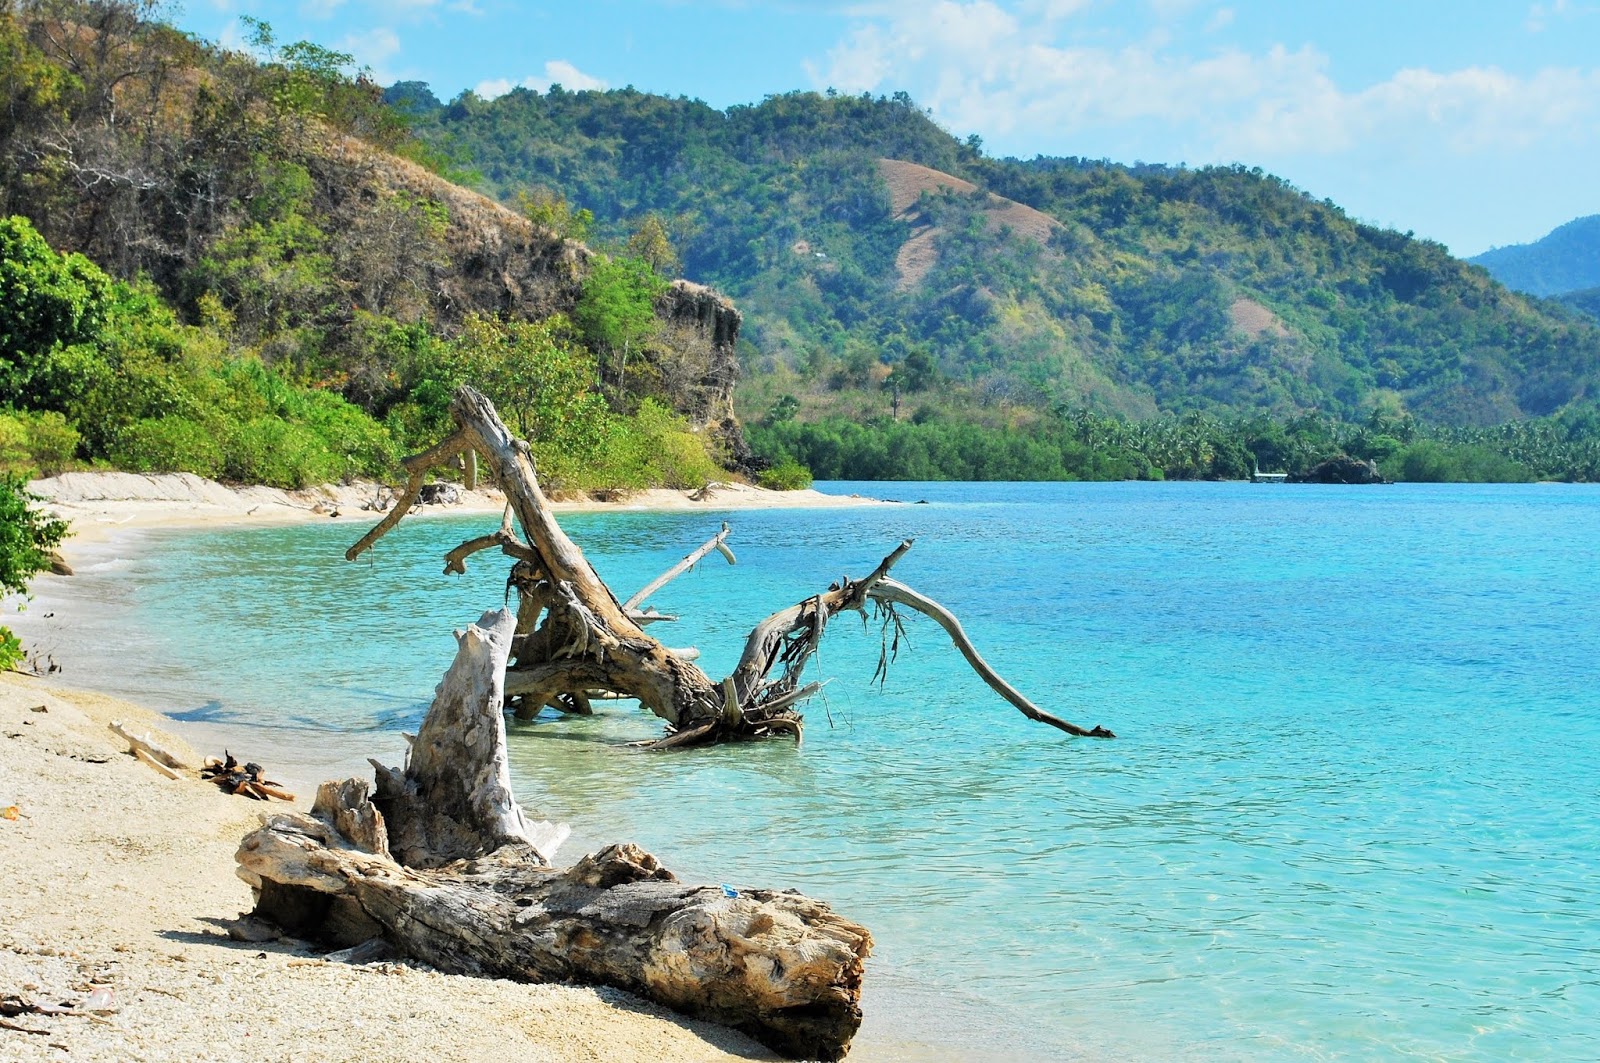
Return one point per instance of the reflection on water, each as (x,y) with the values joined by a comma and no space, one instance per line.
(1348,816)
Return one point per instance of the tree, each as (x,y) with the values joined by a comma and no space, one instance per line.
(27,536)
(550,210)
(617,308)
(651,243)
(48,301)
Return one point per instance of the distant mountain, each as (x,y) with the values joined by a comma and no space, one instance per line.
(1567,260)
(1585,300)
(875,256)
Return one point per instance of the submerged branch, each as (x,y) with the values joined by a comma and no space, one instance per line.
(890,591)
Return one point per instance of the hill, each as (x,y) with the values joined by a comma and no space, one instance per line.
(1585,301)
(238,252)
(875,255)
(1567,259)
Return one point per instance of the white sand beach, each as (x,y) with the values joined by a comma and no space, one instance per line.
(117,885)
(101,503)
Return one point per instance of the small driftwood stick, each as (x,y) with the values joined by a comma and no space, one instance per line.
(159,767)
(717,542)
(149,746)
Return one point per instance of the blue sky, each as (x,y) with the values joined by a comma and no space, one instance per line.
(1476,124)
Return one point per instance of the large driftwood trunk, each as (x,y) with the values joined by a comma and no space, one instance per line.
(573,637)
(443,866)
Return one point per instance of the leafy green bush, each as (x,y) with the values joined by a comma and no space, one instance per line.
(1429,461)
(27,536)
(170,444)
(788,475)
(653,448)
(36,444)
(275,452)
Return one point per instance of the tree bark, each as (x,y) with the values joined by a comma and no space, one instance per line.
(443,866)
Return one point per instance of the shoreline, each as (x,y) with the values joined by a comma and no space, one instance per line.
(151,862)
(100,504)
(120,883)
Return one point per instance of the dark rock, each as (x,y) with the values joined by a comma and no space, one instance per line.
(440,494)
(1341,470)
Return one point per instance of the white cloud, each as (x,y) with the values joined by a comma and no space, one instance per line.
(556,72)
(494,88)
(373,48)
(1539,15)
(1002,72)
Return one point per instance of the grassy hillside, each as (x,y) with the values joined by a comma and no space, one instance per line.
(249,268)
(1565,260)
(873,253)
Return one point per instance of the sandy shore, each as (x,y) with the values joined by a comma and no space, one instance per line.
(118,883)
(99,504)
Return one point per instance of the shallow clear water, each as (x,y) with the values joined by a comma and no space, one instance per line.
(1351,813)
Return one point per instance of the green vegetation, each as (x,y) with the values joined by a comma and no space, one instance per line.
(1082,445)
(251,294)
(1142,291)
(27,537)
(259,286)
(95,369)
(1585,301)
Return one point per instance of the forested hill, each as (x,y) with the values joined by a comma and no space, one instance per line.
(242,264)
(863,242)
(1567,259)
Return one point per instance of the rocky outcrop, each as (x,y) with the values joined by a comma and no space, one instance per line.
(485,259)
(1341,470)
(704,325)
(496,261)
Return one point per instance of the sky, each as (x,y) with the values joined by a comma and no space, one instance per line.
(1473,123)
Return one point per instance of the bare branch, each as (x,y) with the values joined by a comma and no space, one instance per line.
(417,468)
(455,562)
(716,542)
(889,590)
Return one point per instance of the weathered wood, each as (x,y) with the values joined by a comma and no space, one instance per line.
(717,542)
(151,748)
(779,966)
(453,800)
(440,866)
(155,765)
(417,467)
(573,635)
(889,591)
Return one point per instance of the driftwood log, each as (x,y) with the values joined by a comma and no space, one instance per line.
(575,640)
(441,863)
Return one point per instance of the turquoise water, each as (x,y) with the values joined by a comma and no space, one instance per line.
(1351,814)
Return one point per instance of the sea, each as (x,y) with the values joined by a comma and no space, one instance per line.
(1352,811)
